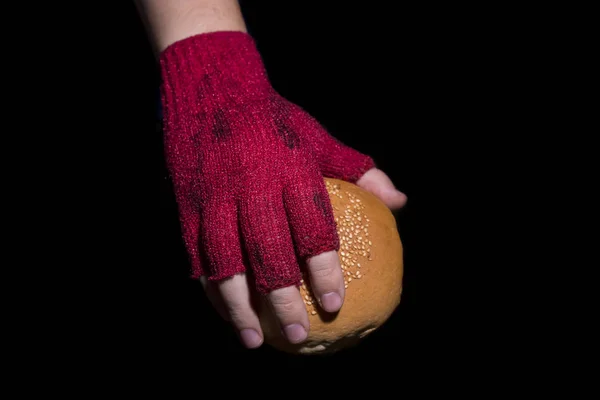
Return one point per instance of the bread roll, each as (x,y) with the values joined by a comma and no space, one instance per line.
(371,256)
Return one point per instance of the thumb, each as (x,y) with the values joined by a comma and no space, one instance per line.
(379,184)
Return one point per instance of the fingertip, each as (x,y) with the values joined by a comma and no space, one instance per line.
(331,302)
(395,199)
(378,183)
(251,338)
(235,292)
(295,333)
(290,310)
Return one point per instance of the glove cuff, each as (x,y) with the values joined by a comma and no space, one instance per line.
(211,67)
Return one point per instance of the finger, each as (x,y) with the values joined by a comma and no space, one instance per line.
(310,214)
(379,184)
(335,159)
(222,250)
(238,303)
(314,231)
(268,241)
(273,261)
(213,295)
(290,311)
(327,280)
(220,239)
(190,227)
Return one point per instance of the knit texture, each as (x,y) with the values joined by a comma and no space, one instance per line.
(247,165)
(335,159)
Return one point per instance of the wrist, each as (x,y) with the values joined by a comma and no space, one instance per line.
(223,66)
(171,21)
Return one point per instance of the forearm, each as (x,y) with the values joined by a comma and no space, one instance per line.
(168,21)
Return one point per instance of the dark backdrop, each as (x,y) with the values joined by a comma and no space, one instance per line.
(360,72)
(422,88)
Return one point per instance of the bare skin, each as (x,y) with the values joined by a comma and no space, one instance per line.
(168,21)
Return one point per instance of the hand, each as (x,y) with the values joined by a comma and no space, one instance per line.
(252,201)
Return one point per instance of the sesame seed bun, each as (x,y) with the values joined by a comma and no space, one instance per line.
(371,255)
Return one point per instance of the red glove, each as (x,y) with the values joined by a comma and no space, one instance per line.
(246,164)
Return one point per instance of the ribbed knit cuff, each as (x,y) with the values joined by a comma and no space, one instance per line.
(211,67)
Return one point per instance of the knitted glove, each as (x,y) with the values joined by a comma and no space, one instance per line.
(335,159)
(248,185)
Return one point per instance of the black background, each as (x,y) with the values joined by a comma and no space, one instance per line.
(436,94)
(362,73)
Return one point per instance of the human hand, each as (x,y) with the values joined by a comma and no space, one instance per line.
(252,200)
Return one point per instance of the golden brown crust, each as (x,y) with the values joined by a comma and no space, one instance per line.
(372,258)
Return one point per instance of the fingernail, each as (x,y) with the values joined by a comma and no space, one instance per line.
(331,301)
(250,338)
(295,333)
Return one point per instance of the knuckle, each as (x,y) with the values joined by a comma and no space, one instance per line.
(323,271)
(238,313)
(283,304)
(286,305)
